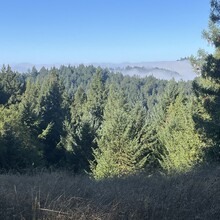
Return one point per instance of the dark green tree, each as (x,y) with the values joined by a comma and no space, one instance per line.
(18,148)
(207,87)
(96,98)
(79,138)
(12,85)
(51,110)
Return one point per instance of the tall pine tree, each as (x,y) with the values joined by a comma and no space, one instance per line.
(118,139)
(182,144)
(52,110)
(207,87)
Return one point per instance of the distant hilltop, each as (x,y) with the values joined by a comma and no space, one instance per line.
(179,70)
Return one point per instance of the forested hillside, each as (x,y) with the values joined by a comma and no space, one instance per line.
(116,143)
(90,119)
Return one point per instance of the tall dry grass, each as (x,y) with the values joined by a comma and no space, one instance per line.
(194,195)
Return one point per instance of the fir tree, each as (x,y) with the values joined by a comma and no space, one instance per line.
(79,137)
(207,87)
(96,97)
(118,139)
(52,110)
(182,144)
(12,86)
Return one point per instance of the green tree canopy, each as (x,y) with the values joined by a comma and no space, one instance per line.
(207,87)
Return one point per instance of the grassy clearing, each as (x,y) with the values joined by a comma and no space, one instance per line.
(194,195)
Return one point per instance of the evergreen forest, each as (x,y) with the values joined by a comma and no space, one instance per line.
(83,142)
(88,119)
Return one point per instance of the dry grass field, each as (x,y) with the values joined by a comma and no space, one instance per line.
(60,195)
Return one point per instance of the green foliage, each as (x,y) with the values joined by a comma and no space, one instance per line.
(79,138)
(96,98)
(18,149)
(89,119)
(151,151)
(52,110)
(118,139)
(182,144)
(12,86)
(207,89)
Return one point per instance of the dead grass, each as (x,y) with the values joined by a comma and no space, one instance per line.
(194,195)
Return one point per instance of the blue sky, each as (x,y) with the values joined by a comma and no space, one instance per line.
(75,31)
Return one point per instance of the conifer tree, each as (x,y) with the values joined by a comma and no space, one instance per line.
(118,139)
(12,85)
(96,98)
(153,149)
(18,147)
(79,137)
(182,144)
(207,87)
(28,107)
(52,110)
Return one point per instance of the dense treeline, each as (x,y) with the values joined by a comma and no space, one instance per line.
(90,119)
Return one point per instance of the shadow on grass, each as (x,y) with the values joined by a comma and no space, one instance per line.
(60,195)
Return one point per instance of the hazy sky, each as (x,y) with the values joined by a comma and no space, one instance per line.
(69,31)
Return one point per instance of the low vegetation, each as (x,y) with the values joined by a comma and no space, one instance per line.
(193,195)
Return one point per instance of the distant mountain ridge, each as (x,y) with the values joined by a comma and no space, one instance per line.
(179,70)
